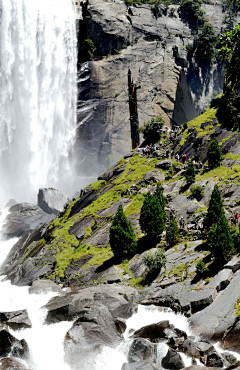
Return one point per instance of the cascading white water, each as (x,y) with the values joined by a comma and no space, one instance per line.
(38,93)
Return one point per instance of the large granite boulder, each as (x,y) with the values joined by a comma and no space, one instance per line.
(120,300)
(142,350)
(44,286)
(9,345)
(24,218)
(51,200)
(16,320)
(152,331)
(172,360)
(93,329)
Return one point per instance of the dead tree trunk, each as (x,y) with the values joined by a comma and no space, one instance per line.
(134,124)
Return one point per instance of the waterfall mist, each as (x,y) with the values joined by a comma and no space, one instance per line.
(38,95)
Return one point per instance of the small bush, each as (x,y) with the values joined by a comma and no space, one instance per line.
(151,130)
(86,50)
(155,261)
(201,267)
(197,192)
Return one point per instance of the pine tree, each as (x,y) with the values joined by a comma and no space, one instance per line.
(215,208)
(160,197)
(190,172)
(172,233)
(122,238)
(153,216)
(220,240)
(214,154)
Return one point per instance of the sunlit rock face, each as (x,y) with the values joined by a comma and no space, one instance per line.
(155,51)
(37,96)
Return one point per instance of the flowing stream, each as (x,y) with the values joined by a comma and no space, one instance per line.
(38,93)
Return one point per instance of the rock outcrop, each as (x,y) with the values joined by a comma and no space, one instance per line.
(154,48)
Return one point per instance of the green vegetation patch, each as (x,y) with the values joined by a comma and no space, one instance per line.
(135,206)
(237,307)
(208,116)
(97,185)
(220,172)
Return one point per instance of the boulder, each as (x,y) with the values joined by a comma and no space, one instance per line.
(44,286)
(9,345)
(12,364)
(120,325)
(93,329)
(16,320)
(142,350)
(120,300)
(152,331)
(6,342)
(165,165)
(189,347)
(51,200)
(24,218)
(172,360)
(214,359)
(203,348)
(152,176)
(20,349)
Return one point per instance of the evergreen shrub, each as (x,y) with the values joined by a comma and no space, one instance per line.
(122,238)
(172,233)
(214,154)
(153,216)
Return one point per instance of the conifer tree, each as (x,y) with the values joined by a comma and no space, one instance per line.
(214,154)
(220,240)
(122,238)
(172,233)
(153,216)
(215,208)
(190,172)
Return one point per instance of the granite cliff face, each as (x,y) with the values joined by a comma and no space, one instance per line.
(155,51)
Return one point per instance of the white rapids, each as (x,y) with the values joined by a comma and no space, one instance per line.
(38,94)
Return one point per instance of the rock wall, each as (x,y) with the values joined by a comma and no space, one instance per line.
(155,51)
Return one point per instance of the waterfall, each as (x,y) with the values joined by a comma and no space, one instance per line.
(38,94)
